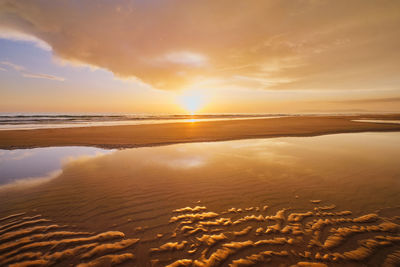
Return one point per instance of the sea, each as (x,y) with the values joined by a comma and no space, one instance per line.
(13,121)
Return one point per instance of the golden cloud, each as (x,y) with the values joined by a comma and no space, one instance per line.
(300,44)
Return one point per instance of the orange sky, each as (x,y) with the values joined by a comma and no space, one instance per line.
(237,56)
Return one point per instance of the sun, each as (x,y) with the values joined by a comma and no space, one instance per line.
(192,101)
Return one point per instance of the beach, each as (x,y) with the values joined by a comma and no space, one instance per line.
(199,133)
(170,133)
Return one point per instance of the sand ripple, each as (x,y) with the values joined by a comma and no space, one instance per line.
(320,237)
(22,243)
(199,237)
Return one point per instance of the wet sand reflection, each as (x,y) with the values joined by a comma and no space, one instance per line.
(328,200)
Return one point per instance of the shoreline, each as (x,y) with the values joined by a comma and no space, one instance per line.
(130,136)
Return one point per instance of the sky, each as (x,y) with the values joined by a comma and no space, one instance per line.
(174,56)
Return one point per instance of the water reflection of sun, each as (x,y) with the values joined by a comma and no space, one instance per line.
(192,101)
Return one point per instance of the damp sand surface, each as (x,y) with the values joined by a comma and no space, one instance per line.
(331,200)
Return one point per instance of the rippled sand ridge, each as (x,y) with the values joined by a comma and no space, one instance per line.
(235,237)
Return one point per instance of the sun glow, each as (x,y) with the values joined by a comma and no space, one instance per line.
(192,101)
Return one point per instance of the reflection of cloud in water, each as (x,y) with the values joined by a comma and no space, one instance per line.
(30,181)
(258,144)
(82,158)
(14,155)
(32,166)
(255,149)
(193,155)
(186,162)
(174,157)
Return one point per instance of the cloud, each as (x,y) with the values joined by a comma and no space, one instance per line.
(369,100)
(43,76)
(299,44)
(28,74)
(18,36)
(184,58)
(12,65)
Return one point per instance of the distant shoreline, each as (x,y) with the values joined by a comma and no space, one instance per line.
(128,136)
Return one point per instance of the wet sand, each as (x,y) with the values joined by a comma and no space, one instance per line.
(161,134)
(331,200)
